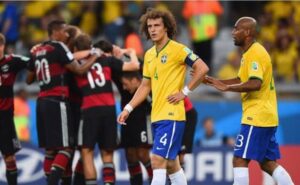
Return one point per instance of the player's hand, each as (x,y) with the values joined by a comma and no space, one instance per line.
(175,98)
(208,80)
(96,51)
(34,48)
(122,117)
(220,85)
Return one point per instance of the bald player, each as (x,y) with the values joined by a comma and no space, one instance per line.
(256,140)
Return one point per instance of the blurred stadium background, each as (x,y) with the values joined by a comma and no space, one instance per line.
(24,25)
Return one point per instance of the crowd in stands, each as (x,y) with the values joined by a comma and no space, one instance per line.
(24,24)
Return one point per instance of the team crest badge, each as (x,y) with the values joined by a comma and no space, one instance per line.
(163,59)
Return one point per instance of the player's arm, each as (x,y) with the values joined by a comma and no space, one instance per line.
(133,64)
(253,84)
(30,77)
(200,69)
(139,96)
(78,55)
(80,69)
(30,71)
(231,81)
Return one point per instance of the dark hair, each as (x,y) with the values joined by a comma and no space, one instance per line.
(54,25)
(105,46)
(2,39)
(132,74)
(83,42)
(167,17)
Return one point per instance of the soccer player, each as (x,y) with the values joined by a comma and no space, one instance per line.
(136,136)
(10,65)
(98,124)
(49,65)
(189,130)
(256,140)
(164,74)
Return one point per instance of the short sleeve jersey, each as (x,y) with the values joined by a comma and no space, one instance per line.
(10,65)
(259,107)
(48,62)
(96,85)
(166,70)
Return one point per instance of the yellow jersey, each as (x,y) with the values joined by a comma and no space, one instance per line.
(259,107)
(166,69)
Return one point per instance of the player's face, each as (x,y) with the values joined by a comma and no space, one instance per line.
(238,34)
(62,34)
(129,85)
(156,29)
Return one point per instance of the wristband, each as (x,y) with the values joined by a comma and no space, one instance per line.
(129,108)
(186,91)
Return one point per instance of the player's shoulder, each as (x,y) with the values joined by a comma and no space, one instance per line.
(60,45)
(258,49)
(175,44)
(19,57)
(151,51)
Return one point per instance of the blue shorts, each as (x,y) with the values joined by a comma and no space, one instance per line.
(167,138)
(257,143)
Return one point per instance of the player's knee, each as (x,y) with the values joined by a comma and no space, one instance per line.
(143,155)
(50,152)
(268,166)
(240,162)
(107,156)
(158,162)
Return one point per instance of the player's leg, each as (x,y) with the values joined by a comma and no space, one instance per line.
(159,165)
(188,136)
(60,136)
(49,158)
(88,133)
(269,164)
(167,142)
(107,141)
(9,145)
(134,167)
(176,174)
(87,155)
(108,169)
(240,171)
(279,174)
(78,173)
(59,165)
(67,175)
(11,169)
(144,157)
(242,153)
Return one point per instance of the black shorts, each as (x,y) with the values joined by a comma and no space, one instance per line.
(189,131)
(76,117)
(54,123)
(137,131)
(9,143)
(96,127)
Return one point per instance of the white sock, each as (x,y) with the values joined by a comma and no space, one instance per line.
(159,177)
(240,176)
(281,176)
(178,178)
